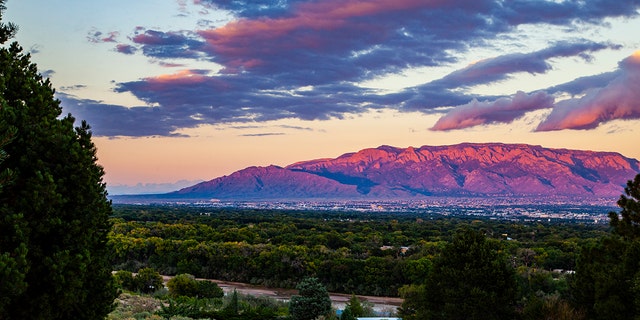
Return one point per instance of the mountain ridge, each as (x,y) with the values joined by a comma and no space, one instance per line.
(466,169)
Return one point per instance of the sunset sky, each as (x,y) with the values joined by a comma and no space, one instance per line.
(179,91)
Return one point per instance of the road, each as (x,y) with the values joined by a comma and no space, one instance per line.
(338,299)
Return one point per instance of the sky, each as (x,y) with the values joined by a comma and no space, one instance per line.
(181,91)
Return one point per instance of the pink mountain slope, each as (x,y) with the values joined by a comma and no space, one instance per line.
(491,169)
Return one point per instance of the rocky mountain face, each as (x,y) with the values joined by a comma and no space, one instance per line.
(459,170)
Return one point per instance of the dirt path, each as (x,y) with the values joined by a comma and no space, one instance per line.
(338,299)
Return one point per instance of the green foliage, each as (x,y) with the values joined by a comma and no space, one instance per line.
(608,270)
(354,305)
(209,289)
(185,307)
(54,213)
(148,280)
(125,280)
(414,301)
(347,314)
(279,248)
(6,174)
(183,285)
(627,224)
(311,302)
(470,280)
(534,282)
(187,285)
(131,306)
(551,307)
(232,308)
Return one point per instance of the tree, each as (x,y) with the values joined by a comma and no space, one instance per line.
(233,307)
(54,213)
(148,280)
(6,175)
(357,310)
(183,285)
(124,280)
(311,302)
(13,262)
(353,309)
(606,282)
(347,314)
(471,279)
(627,224)
(414,301)
(208,289)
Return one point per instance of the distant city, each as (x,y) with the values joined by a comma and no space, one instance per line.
(592,211)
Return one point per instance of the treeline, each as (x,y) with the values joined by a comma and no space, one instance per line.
(361,253)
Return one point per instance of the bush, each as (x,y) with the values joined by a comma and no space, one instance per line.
(148,280)
(208,289)
(187,286)
(124,280)
(183,285)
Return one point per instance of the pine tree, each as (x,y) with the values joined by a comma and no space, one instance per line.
(311,302)
(607,280)
(627,224)
(54,213)
(355,306)
(470,280)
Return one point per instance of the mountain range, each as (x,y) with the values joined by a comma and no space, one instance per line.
(468,169)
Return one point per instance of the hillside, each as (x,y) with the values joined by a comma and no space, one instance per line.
(491,169)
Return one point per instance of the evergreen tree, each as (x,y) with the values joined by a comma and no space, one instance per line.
(347,314)
(54,213)
(607,280)
(233,307)
(470,280)
(311,302)
(627,224)
(355,306)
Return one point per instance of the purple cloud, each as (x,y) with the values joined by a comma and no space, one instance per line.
(605,97)
(275,48)
(503,110)
(500,68)
(158,44)
(619,99)
(95,36)
(125,48)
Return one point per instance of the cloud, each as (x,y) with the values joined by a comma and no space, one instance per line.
(158,44)
(113,120)
(307,59)
(503,110)
(263,134)
(47,73)
(35,49)
(125,48)
(599,98)
(501,67)
(73,87)
(96,36)
(619,99)
(582,84)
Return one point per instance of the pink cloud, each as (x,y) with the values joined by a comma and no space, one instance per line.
(180,77)
(125,48)
(98,37)
(620,99)
(244,41)
(503,110)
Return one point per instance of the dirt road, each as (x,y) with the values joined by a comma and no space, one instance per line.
(338,299)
